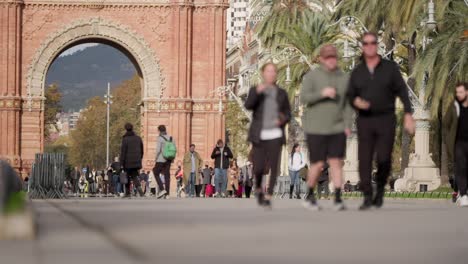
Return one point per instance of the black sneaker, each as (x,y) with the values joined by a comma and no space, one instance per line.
(367,204)
(260,198)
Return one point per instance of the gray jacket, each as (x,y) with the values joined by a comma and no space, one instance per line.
(160,142)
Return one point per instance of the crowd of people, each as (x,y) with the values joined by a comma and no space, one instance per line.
(330,98)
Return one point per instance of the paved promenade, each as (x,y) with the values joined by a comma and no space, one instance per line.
(226,231)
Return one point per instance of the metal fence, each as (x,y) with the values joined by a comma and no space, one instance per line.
(48,176)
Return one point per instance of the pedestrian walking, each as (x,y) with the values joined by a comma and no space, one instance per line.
(271,113)
(233,179)
(456,134)
(192,166)
(115,167)
(206,173)
(131,155)
(165,153)
(327,121)
(246,177)
(373,87)
(179,175)
(152,183)
(143,181)
(221,155)
(295,164)
(75,178)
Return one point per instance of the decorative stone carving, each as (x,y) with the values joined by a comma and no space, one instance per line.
(153,80)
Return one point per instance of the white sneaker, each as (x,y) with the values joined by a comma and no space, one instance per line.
(311,206)
(463,201)
(162,194)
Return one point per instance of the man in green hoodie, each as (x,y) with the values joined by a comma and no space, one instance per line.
(327,121)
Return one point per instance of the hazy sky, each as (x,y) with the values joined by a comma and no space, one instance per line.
(77,48)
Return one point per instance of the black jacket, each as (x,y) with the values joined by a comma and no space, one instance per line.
(379,88)
(255,102)
(226,155)
(131,151)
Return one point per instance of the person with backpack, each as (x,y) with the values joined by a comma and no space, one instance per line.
(221,155)
(165,153)
(296,163)
(192,167)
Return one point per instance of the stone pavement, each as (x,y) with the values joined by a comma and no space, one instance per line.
(229,231)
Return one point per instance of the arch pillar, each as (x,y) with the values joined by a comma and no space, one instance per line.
(10,81)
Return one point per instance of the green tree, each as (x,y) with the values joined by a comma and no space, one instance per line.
(52,108)
(88,140)
(237,124)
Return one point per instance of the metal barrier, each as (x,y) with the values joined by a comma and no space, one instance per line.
(48,176)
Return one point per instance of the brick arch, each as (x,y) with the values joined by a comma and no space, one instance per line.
(110,32)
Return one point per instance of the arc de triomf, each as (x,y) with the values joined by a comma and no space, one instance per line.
(177,47)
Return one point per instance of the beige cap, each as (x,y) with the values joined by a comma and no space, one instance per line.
(328,51)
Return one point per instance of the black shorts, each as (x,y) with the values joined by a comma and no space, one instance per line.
(323,147)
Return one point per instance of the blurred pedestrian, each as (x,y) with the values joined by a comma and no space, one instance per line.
(271,113)
(233,179)
(116,170)
(179,175)
(206,173)
(246,177)
(456,131)
(323,182)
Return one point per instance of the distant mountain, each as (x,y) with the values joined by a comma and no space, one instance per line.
(85,73)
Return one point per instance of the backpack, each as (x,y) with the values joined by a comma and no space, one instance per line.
(169,150)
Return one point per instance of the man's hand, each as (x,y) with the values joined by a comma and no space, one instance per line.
(260,88)
(409,124)
(329,92)
(217,152)
(361,104)
(347,132)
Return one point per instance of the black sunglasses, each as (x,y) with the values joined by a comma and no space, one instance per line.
(369,43)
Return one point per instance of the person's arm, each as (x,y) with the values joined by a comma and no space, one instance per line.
(158,147)
(230,155)
(309,94)
(142,150)
(285,110)
(401,89)
(348,113)
(253,99)
(352,90)
(213,154)
(123,152)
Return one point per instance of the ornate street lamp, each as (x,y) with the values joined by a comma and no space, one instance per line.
(431,24)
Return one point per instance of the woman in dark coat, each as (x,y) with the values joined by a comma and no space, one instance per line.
(271,113)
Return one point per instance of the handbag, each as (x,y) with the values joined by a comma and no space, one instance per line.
(303,173)
(123,177)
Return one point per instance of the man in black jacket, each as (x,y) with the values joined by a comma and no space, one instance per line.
(221,155)
(131,155)
(373,87)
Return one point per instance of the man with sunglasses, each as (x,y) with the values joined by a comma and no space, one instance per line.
(374,85)
(326,121)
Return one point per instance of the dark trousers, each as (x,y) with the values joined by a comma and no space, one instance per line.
(376,134)
(163,168)
(323,187)
(461,166)
(248,190)
(266,155)
(133,176)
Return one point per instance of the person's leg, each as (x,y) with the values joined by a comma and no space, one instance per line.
(291,183)
(384,148)
(317,146)
(461,170)
(259,162)
(158,168)
(248,190)
(298,185)
(167,177)
(273,151)
(366,138)
(217,181)
(224,180)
